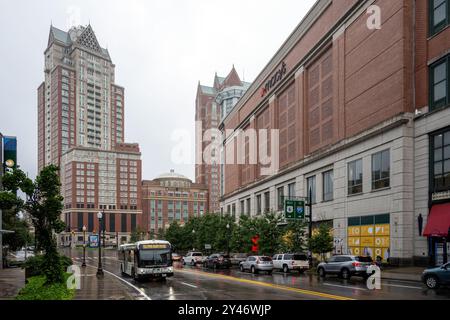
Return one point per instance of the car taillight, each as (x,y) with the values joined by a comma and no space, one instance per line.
(356,264)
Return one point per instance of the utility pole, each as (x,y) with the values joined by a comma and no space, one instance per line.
(310,205)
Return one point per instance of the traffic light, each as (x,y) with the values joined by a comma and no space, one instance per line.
(255,246)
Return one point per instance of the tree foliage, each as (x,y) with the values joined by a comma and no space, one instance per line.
(212,229)
(322,242)
(44,206)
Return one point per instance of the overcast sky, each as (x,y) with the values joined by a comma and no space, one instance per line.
(161,49)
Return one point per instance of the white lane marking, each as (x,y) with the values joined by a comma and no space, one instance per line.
(190,285)
(400,286)
(131,285)
(345,287)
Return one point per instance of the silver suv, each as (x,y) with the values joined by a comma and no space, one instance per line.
(256,264)
(345,266)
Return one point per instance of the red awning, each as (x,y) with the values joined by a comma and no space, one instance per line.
(438,221)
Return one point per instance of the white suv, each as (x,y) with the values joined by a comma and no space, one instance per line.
(288,262)
(193,258)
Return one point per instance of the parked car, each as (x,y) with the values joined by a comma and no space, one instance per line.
(288,262)
(237,258)
(345,266)
(436,277)
(217,260)
(256,264)
(193,257)
(176,257)
(17,258)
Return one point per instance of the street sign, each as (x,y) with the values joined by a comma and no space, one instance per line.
(207,247)
(294,209)
(93,241)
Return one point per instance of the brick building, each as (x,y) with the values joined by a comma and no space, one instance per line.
(81,129)
(171,197)
(341,96)
(213,104)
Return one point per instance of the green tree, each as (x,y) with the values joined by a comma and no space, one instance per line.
(138,234)
(269,232)
(322,242)
(11,205)
(44,205)
(293,238)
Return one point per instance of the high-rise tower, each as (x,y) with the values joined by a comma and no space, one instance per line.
(81,129)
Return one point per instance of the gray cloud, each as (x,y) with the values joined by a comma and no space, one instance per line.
(161,50)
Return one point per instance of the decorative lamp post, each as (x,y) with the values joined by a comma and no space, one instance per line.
(193,235)
(84,247)
(100,221)
(228,239)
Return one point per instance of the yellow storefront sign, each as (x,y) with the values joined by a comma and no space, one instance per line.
(382,230)
(367,231)
(367,241)
(354,231)
(373,240)
(382,242)
(354,242)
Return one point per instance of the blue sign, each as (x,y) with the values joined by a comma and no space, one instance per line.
(9,153)
(93,241)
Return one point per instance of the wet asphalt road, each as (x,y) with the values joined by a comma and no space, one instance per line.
(197,283)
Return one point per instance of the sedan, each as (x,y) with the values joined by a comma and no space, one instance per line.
(217,260)
(435,277)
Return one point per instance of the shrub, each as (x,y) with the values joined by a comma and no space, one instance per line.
(34,266)
(36,289)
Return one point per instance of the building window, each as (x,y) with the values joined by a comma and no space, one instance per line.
(90,222)
(355,177)
(439,15)
(381,168)
(242,207)
(280,198)
(258,204)
(249,207)
(328,186)
(112,222)
(291,191)
(311,189)
(80,221)
(266,202)
(123,221)
(441,161)
(133,222)
(439,84)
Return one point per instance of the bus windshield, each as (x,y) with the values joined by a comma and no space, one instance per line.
(154,257)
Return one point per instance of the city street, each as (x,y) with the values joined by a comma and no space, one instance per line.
(197,283)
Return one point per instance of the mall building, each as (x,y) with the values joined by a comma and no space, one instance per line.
(356,98)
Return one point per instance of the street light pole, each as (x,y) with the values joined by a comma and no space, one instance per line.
(100,221)
(309,204)
(84,247)
(193,234)
(228,239)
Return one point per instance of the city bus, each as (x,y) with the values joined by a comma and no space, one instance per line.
(146,259)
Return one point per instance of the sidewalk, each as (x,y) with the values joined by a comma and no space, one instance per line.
(107,287)
(11,281)
(406,273)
